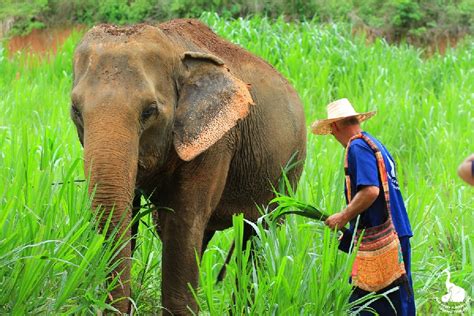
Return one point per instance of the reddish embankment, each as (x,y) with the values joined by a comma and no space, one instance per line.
(48,40)
(41,41)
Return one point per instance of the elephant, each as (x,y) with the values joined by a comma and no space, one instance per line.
(196,123)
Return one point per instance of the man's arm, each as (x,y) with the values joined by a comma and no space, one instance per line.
(361,201)
(465,170)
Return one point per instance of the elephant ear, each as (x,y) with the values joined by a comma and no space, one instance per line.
(211,102)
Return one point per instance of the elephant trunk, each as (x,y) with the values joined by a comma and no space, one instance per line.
(111,154)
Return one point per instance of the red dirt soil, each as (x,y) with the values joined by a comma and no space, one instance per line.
(48,40)
(41,41)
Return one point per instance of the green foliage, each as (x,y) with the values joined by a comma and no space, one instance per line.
(124,11)
(417,18)
(21,8)
(25,13)
(52,260)
(394,19)
(406,13)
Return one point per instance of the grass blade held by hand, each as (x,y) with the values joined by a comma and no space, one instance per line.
(289,205)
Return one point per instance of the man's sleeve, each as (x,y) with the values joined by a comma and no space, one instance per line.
(363,165)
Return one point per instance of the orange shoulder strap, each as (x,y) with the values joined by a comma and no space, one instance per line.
(380,164)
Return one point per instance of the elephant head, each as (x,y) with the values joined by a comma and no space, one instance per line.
(138,97)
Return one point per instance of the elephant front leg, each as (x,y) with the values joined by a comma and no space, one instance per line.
(193,195)
(182,243)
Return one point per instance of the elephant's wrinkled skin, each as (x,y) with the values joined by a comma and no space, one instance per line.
(198,123)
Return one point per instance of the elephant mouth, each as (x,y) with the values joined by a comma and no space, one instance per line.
(147,166)
(144,163)
(148,160)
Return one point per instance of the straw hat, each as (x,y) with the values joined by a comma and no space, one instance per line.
(338,110)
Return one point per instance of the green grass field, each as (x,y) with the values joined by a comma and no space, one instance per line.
(52,261)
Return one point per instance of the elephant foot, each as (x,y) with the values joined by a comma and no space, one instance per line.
(119,299)
(185,306)
(179,312)
(123,307)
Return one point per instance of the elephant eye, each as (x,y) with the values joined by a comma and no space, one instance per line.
(149,111)
(76,112)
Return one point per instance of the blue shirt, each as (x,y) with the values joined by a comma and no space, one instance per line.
(363,171)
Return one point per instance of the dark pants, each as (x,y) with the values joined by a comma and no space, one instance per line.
(402,300)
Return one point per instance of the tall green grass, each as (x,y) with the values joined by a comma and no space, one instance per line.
(53,261)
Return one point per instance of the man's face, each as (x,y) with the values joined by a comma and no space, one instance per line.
(337,132)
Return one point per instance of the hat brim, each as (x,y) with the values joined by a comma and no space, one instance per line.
(323,127)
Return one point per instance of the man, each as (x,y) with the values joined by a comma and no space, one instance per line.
(466,170)
(367,196)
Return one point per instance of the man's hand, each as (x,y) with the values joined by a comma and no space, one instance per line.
(337,220)
(465,170)
(361,201)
